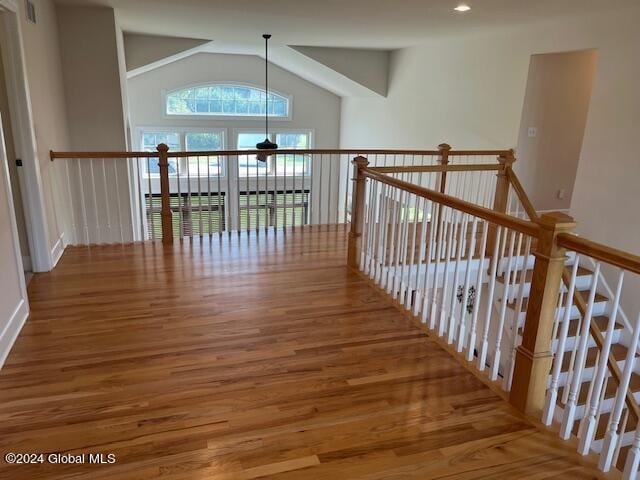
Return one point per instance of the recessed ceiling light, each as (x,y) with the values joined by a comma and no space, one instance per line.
(462,8)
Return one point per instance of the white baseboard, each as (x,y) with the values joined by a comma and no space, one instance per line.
(57,251)
(12,329)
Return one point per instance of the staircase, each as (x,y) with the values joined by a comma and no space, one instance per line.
(469,274)
(565,346)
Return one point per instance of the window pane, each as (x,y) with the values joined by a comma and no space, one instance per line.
(291,164)
(203,141)
(149,143)
(233,100)
(249,165)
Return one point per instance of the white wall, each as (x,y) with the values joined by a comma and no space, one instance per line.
(91,78)
(313,107)
(90,41)
(44,74)
(469,92)
(369,68)
(141,50)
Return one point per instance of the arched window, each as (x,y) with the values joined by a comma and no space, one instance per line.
(225,100)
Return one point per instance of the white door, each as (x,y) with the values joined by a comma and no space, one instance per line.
(14,305)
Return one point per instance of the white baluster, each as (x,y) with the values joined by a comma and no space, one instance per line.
(422,258)
(391,273)
(516,268)
(443,214)
(484,342)
(465,289)
(552,391)
(632,463)
(462,233)
(611,437)
(508,377)
(431,247)
(445,287)
(478,294)
(576,379)
(402,249)
(588,423)
(375,235)
(623,430)
(365,253)
(140,201)
(419,207)
(495,367)
(384,202)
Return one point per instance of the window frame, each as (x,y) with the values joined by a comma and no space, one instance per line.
(182,134)
(222,116)
(235,132)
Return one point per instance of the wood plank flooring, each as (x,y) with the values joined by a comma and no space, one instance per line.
(248,357)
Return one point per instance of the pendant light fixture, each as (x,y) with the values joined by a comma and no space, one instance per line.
(267,144)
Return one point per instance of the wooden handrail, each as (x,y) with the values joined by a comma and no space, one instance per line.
(89,155)
(594,329)
(598,251)
(363,151)
(496,153)
(519,225)
(522,195)
(467,167)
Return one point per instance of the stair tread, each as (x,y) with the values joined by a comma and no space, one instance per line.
(582,271)
(618,350)
(585,293)
(601,321)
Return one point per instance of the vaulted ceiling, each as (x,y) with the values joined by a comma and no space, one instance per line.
(386,24)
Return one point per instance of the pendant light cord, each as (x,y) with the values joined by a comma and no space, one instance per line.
(266,84)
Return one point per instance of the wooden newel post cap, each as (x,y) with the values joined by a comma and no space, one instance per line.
(508,158)
(557,222)
(361,162)
(162,147)
(444,146)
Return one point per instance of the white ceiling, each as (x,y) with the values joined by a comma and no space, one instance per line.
(385,24)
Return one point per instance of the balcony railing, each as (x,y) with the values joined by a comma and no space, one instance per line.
(450,235)
(515,294)
(119,197)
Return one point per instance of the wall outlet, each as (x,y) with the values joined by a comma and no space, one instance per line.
(560,194)
(532,132)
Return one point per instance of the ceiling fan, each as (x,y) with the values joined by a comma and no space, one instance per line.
(266,144)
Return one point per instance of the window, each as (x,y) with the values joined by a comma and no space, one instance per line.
(289,204)
(282,164)
(226,100)
(185,141)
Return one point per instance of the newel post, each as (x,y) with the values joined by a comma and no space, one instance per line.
(443,158)
(357,211)
(501,195)
(165,212)
(533,356)
(441,181)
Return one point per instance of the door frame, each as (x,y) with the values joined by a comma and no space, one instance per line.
(43,257)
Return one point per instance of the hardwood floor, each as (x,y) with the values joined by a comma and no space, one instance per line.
(248,357)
